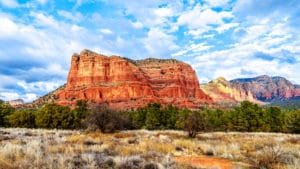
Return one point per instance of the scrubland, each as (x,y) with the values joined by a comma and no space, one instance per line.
(38,148)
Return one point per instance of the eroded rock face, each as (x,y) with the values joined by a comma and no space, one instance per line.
(128,84)
(222,92)
(266,88)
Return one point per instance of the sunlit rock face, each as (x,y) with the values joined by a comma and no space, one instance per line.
(222,91)
(128,84)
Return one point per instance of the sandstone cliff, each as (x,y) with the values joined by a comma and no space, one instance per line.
(222,92)
(127,84)
(266,88)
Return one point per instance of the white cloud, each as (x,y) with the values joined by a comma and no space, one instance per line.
(216,3)
(197,32)
(8,28)
(159,44)
(73,16)
(200,20)
(137,24)
(179,53)
(9,96)
(163,12)
(43,2)
(28,97)
(106,31)
(239,62)
(198,17)
(39,86)
(44,20)
(225,27)
(9,3)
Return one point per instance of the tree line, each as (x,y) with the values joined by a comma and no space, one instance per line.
(247,117)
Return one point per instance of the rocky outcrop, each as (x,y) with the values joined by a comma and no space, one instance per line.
(266,88)
(16,103)
(223,92)
(127,84)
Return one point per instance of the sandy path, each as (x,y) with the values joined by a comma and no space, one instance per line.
(207,162)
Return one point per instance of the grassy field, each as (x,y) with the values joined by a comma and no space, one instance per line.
(37,148)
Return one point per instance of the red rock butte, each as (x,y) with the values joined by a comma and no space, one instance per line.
(128,84)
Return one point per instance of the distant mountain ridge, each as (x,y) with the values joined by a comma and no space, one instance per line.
(268,89)
(261,90)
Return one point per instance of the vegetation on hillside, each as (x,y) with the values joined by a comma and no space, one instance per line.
(247,117)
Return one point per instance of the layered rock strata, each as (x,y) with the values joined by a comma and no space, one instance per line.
(128,84)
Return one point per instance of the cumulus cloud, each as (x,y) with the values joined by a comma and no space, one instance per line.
(159,44)
(218,37)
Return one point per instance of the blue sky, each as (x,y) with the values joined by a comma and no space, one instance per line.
(229,38)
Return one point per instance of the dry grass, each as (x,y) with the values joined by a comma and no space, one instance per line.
(25,148)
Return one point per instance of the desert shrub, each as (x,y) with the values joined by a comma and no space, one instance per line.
(76,162)
(22,118)
(131,164)
(151,166)
(191,121)
(103,162)
(271,154)
(104,119)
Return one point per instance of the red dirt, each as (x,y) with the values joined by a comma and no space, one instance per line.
(206,162)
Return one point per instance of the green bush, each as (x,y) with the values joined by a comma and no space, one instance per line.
(54,116)
(22,118)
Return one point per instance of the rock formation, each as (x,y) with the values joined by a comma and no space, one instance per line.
(127,84)
(16,103)
(223,92)
(267,88)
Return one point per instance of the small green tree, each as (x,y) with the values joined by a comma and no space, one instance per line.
(153,117)
(169,117)
(80,113)
(194,123)
(274,119)
(138,118)
(293,121)
(182,116)
(5,111)
(247,117)
(105,120)
(191,122)
(215,120)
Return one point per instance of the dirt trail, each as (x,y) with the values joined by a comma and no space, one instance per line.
(208,162)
